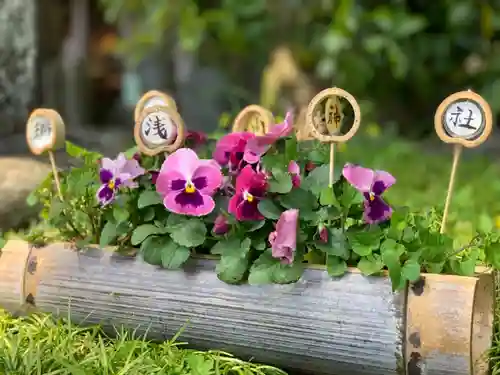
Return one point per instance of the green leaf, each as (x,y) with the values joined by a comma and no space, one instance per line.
(370,264)
(337,244)
(149,198)
(317,179)
(391,252)
(232,268)
(32,199)
(492,254)
(288,273)
(269,209)
(144,231)
(174,256)
(149,214)
(363,242)
(120,214)
(262,269)
(350,196)
(335,266)
(108,234)
(281,182)
(411,270)
(192,234)
(227,246)
(300,199)
(327,197)
(151,250)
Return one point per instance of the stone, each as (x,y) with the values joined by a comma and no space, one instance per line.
(17,62)
(19,176)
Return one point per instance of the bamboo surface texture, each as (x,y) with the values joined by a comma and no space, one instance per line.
(353,325)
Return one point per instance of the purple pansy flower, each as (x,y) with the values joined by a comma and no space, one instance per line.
(115,174)
(371,184)
(188,183)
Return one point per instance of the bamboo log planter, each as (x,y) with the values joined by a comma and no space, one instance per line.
(352,325)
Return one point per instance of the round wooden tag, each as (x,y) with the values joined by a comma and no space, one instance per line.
(151,99)
(254,119)
(464,118)
(45,131)
(325,124)
(159,129)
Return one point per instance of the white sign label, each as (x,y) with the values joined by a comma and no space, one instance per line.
(40,132)
(155,101)
(158,129)
(464,119)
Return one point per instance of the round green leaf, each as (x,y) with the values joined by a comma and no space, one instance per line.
(144,231)
(108,234)
(174,256)
(269,209)
(335,266)
(149,198)
(411,271)
(191,234)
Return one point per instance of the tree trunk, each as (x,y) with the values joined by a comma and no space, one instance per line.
(18,46)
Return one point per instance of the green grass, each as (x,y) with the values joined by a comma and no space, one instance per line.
(41,346)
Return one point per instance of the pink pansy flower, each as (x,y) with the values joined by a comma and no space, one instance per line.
(258,146)
(229,149)
(294,170)
(115,174)
(221,226)
(187,183)
(251,187)
(284,240)
(371,183)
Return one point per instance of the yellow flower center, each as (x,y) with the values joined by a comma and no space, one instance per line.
(111,184)
(248,197)
(189,188)
(372,196)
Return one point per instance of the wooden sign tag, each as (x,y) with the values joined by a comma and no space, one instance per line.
(254,119)
(463,119)
(159,129)
(325,121)
(45,132)
(151,99)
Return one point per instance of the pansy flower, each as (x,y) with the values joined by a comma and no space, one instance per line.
(115,174)
(188,183)
(259,145)
(294,170)
(195,138)
(371,183)
(229,150)
(251,187)
(283,240)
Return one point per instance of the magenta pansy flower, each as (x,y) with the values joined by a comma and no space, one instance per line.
(258,146)
(115,174)
(187,183)
(283,241)
(371,183)
(251,187)
(294,170)
(229,149)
